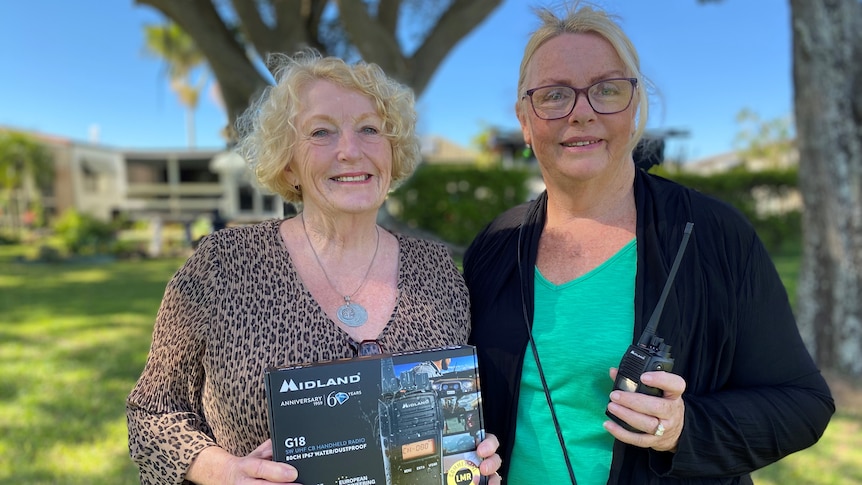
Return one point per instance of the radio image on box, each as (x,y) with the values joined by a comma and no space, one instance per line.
(410,418)
(411,434)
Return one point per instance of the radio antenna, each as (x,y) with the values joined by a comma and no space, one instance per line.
(652,324)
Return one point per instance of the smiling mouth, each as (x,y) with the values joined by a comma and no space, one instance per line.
(580,143)
(353,178)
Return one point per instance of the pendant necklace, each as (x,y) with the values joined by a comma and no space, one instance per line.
(350,313)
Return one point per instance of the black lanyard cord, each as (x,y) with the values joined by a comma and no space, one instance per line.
(553,412)
(539,364)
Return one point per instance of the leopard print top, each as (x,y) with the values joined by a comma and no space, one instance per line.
(236,307)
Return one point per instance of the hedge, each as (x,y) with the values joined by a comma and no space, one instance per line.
(455,201)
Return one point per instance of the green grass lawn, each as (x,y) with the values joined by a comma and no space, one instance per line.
(74,337)
(73,340)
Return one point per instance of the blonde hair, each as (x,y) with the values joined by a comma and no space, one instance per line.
(586,20)
(268,132)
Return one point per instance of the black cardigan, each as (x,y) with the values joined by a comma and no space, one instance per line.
(753,392)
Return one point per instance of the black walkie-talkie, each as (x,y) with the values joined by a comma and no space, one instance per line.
(650,353)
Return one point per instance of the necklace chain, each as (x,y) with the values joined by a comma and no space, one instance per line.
(325,275)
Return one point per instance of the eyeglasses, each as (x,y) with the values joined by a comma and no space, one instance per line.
(366,347)
(606,97)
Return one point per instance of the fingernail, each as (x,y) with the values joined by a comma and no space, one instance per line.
(615,395)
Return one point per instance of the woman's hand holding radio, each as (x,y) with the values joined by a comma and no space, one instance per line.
(660,418)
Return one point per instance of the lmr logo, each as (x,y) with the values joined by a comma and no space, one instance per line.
(291,385)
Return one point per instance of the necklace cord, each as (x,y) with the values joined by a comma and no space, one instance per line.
(322,268)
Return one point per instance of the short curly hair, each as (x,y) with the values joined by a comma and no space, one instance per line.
(267,129)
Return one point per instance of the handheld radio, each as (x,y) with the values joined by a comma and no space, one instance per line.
(410,420)
(650,353)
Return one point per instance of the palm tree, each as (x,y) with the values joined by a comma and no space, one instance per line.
(182,57)
(26,168)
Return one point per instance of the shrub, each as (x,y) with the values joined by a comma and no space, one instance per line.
(7,238)
(82,234)
(455,202)
(739,187)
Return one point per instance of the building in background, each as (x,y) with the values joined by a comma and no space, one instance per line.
(174,185)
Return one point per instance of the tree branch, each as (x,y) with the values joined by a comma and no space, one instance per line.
(462,17)
(373,41)
(387,15)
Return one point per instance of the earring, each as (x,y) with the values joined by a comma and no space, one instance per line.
(528,151)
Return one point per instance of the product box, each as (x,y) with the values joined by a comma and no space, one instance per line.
(410,418)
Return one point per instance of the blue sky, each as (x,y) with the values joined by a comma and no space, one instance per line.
(78,69)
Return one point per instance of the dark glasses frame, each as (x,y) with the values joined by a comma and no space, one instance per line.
(367,347)
(586,91)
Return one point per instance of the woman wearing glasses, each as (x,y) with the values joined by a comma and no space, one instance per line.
(562,289)
(327,284)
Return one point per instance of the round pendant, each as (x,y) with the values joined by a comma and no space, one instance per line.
(352,315)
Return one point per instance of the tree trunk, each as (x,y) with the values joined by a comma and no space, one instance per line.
(827,73)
